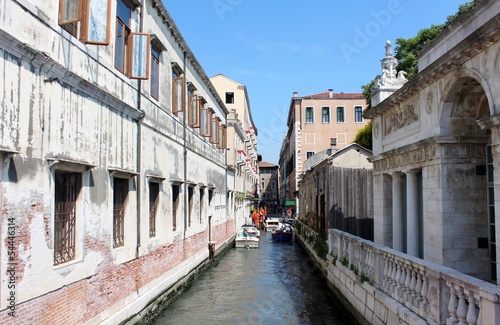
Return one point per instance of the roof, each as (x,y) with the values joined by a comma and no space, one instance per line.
(265,164)
(325,95)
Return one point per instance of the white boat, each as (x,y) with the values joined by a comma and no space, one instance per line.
(270,224)
(252,230)
(244,239)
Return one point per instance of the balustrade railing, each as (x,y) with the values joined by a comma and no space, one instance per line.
(437,294)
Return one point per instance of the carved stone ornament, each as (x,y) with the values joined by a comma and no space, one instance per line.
(389,77)
(428,102)
(376,130)
(400,118)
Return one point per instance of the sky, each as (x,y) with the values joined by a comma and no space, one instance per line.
(278,47)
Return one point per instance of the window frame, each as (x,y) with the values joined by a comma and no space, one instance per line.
(119,210)
(176,193)
(155,72)
(194,105)
(177,86)
(309,114)
(309,154)
(356,113)
(66,252)
(229,97)
(205,121)
(342,110)
(221,144)
(214,130)
(153,207)
(83,26)
(323,115)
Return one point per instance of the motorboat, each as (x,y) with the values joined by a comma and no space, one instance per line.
(270,224)
(252,230)
(244,239)
(283,233)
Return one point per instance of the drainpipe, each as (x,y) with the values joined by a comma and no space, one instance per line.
(139,151)
(184,116)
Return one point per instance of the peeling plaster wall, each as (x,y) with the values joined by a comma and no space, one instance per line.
(63,101)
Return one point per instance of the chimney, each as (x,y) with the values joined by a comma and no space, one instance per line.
(330,93)
(333,145)
(295,94)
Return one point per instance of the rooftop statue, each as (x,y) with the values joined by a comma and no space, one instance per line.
(389,77)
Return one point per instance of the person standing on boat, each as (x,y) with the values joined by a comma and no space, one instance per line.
(256,217)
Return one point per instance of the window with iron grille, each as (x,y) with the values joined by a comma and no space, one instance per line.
(120,192)
(67,188)
(175,205)
(154,191)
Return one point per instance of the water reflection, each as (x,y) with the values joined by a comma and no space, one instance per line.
(275,284)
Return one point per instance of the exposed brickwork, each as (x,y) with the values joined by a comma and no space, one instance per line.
(83,300)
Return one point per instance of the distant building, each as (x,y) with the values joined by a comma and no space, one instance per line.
(242,155)
(269,185)
(316,123)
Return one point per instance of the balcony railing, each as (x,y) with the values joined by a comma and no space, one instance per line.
(437,294)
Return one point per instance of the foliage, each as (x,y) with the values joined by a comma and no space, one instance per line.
(407,50)
(364,136)
(344,261)
(320,246)
(364,278)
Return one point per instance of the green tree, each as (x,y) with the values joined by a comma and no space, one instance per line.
(364,136)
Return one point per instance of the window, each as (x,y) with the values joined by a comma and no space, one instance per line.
(214,130)
(205,121)
(273,185)
(154,191)
(190,204)
(177,91)
(120,192)
(67,188)
(222,137)
(340,115)
(263,185)
(155,72)
(131,49)
(194,104)
(309,154)
(325,114)
(175,205)
(86,20)
(309,114)
(229,98)
(358,114)
(210,196)
(202,196)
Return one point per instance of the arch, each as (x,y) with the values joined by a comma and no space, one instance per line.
(465,101)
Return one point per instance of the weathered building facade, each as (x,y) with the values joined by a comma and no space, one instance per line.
(242,154)
(113,147)
(313,122)
(336,192)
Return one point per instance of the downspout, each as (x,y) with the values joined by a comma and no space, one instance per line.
(139,151)
(184,136)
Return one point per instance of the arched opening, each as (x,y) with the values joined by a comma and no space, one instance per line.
(467,166)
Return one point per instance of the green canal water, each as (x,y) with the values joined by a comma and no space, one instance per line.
(275,284)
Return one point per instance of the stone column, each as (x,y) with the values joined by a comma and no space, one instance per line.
(412,212)
(397,212)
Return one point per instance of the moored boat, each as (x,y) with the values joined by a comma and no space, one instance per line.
(283,233)
(245,239)
(270,224)
(252,230)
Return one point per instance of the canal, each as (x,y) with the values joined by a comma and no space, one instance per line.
(275,284)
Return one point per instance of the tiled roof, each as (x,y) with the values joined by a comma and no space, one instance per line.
(265,164)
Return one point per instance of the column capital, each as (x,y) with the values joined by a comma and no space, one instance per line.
(411,171)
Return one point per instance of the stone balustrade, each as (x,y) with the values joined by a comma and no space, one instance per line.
(434,293)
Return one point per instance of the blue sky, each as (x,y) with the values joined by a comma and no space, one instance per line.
(278,47)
